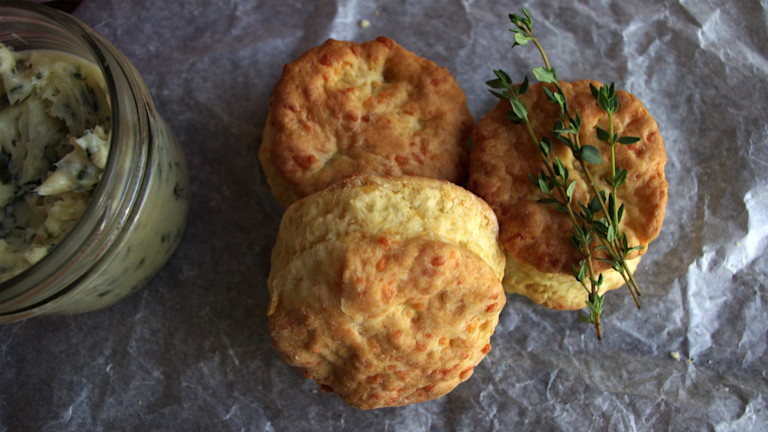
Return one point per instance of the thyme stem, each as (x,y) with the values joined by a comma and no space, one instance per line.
(554,178)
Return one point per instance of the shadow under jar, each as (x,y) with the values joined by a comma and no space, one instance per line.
(136,215)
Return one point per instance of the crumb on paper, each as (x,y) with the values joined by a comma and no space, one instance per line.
(677,357)
(364,23)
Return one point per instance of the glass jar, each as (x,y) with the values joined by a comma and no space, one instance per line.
(136,216)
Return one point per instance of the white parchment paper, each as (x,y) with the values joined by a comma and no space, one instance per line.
(192,350)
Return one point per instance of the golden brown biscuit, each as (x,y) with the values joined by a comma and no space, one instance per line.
(536,237)
(343,108)
(386,290)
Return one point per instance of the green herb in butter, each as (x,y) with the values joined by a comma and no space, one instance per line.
(54,140)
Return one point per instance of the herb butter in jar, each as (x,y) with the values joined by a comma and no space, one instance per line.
(94,188)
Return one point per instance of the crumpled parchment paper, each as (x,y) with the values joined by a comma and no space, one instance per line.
(192,350)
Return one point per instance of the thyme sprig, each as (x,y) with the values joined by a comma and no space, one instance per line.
(600,218)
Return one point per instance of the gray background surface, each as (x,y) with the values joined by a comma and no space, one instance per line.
(192,350)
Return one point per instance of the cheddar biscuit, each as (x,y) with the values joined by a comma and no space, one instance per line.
(386,290)
(537,237)
(344,108)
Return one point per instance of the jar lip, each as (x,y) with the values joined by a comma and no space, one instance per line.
(40,275)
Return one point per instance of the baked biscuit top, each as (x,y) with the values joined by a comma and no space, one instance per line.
(343,108)
(386,290)
(503,157)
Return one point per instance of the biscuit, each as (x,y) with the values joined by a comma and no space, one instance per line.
(536,237)
(386,291)
(343,108)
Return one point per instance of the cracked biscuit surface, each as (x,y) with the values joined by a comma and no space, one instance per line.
(536,237)
(344,108)
(386,291)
